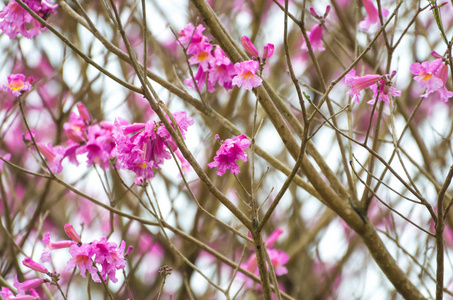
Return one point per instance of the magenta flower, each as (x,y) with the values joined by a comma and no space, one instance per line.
(384,90)
(202,57)
(434,77)
(17,84)
(373,15)
(81,257)
(227,155)
(15,20)
(109,257)
(246,76)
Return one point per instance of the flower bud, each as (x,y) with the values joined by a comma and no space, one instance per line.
(28,262)
(268,50)
(72,234)
(248,46)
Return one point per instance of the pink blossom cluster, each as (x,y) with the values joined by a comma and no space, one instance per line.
(229,152)
(84,136)
(213,64)
(15,20)
(142,147)
(433,76)
(379,84)
(278,258)
(89,256)
(215,67)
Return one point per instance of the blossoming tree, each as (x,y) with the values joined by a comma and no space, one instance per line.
(246,149)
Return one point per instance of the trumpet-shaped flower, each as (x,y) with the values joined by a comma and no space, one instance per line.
(81,257)
(246,75)
(110,257)
(434,77)
(227,155)
(17,84)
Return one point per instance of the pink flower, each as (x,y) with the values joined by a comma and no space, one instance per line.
(278,258)
(246,76)
(28,262)
(45,256)
(227,155)
(222,71)
(373,15)
(315,38)
(81,257)
(15,20)
(434,77)
(54,156)
(7,157)
(315,35)
(23,287)
(250,48)
(71,233)
(202,57)
(17,83)
(8,295)
(358,83)
(194,40)
(109,257)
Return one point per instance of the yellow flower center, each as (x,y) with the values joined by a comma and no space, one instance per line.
(247,74)
(16,85)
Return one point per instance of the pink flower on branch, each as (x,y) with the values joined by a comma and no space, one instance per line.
(227,155)
(17,84)
(251,49)
(246,75)
(315,35)
(434,77)
(358,83)
(81,257)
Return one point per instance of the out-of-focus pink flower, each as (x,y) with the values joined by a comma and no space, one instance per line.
(373,15)
(278,258)
(246,75)
(8,295)
(229,152)
(54,156)
(434,77)
(15,20)
(81,257)
(23,287)
(30,263)
(17,84)
(315,35)
(185,166)
(7,157)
